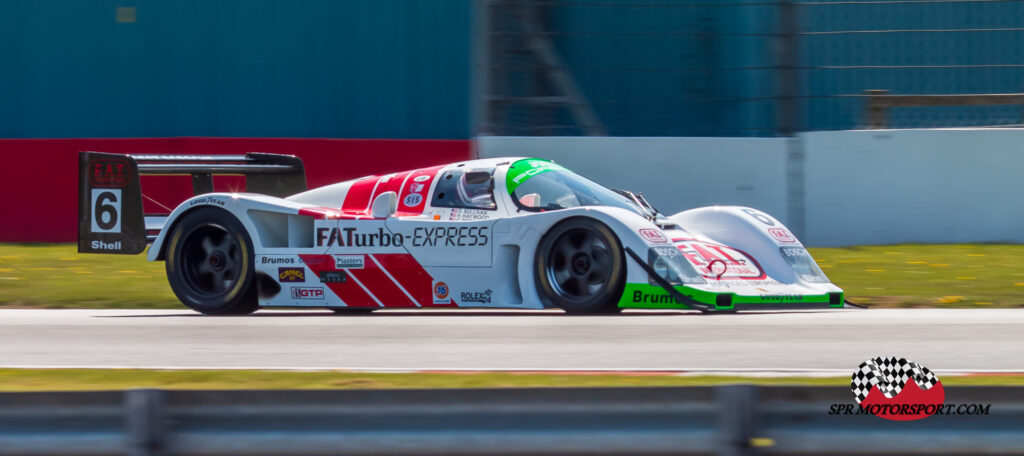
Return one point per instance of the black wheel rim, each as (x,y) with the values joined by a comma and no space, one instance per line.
(580,264)
(212,260)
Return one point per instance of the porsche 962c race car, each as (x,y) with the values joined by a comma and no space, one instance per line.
(521,233)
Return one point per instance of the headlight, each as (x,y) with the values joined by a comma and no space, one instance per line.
(670,264)
(803,265)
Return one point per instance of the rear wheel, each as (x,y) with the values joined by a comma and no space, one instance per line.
(210,263)
(580,267)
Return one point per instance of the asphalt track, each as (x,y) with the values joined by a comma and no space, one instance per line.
(835,341)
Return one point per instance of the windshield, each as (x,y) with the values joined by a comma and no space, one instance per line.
(541,185)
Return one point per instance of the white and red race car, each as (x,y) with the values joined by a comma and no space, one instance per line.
(517,233)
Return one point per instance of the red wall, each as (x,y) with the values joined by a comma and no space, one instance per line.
(40,176)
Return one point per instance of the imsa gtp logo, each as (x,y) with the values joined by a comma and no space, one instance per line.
(307,293)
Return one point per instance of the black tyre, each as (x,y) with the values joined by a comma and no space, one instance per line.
(210,263)
(580,267)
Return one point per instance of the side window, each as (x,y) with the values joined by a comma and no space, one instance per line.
(472,189)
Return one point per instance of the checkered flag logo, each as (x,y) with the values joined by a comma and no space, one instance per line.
(891,375)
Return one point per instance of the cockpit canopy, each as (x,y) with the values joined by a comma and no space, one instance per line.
(542,185)
(466,188)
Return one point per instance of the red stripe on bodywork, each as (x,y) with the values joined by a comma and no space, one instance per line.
(416,280)
(349,291)
(381,285)
(394,184)
(361,194)
(410,184)
(358,197)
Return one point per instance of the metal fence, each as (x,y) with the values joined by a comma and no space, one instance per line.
(740,67)
(726,420)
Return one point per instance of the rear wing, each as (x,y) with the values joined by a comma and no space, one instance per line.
(110,211)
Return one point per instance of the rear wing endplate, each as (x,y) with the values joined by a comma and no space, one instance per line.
(110,213)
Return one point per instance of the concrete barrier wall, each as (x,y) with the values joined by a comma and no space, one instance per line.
(859,187)
(674,173)
(929,186)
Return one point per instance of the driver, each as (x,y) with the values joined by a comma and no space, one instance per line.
(475,192)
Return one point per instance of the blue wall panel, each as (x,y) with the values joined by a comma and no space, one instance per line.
(668,68)
(694,68)
(400,68)
(314,68)
(954,58)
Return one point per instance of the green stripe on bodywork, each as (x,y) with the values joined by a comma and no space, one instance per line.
(646,296)
(524,169)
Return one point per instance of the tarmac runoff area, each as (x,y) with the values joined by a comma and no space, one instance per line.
(832,342)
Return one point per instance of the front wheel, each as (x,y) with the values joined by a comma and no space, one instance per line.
(210,264)
(580,267)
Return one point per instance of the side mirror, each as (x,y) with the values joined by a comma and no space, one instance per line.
(384,205)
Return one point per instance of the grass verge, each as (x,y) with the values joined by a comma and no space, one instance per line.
(57,276)
(967,275)
(117,379)
(914,275)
